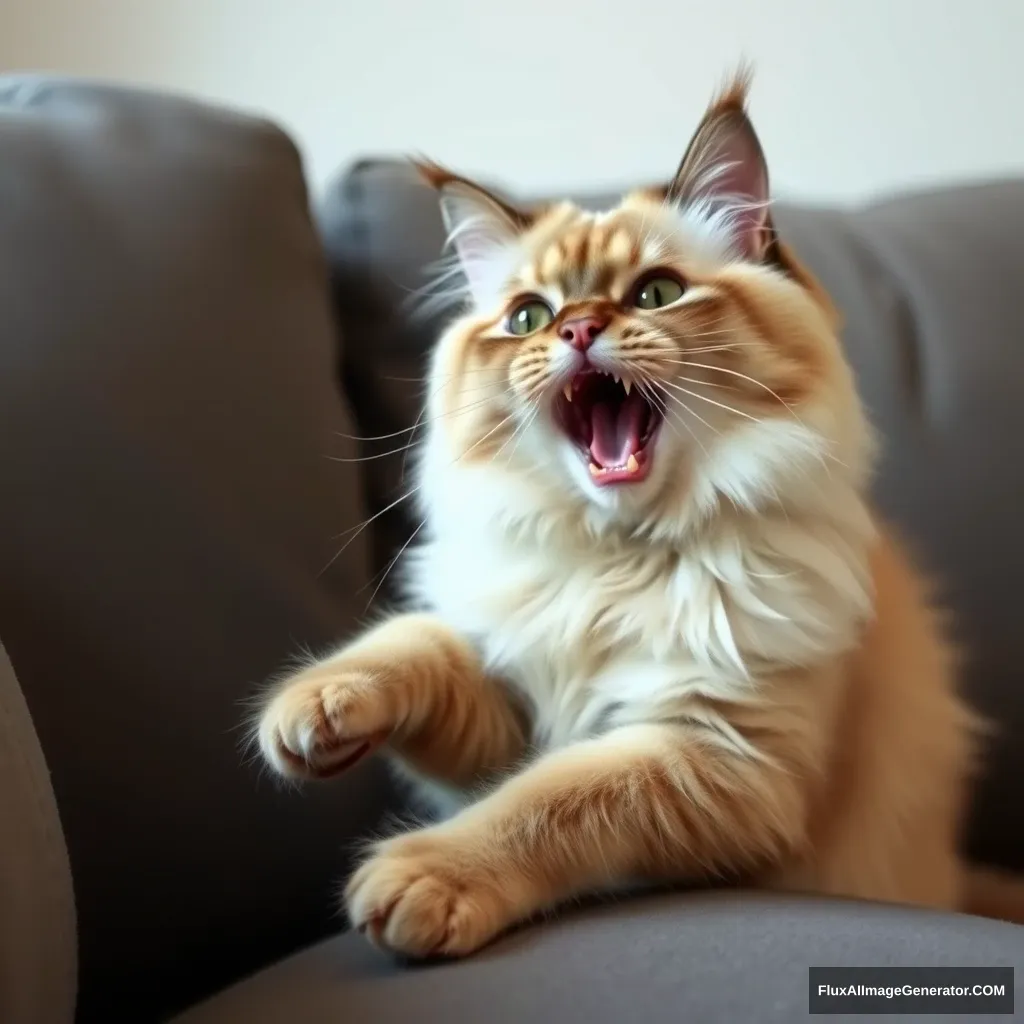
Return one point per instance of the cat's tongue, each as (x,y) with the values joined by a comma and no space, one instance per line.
(617,429)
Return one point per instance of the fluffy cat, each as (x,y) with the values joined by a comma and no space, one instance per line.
(655,629)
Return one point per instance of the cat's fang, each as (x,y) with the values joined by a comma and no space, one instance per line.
(595,470)
(567,391)
(627,384)
(631,464)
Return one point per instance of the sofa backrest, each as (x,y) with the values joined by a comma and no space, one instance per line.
(934,328)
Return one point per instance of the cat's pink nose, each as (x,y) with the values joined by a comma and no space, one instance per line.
(582,332)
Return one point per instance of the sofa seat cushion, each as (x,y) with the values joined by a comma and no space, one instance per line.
(709,957)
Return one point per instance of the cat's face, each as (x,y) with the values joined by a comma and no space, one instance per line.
(636,356)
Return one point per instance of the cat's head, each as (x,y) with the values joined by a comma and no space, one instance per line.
(649,363)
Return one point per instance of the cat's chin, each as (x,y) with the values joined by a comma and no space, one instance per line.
(612,425)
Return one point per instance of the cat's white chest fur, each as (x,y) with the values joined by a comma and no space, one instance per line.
(608,633)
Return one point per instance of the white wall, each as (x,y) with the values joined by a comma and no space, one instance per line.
(852,97)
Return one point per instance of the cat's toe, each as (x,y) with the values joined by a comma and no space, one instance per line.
(424,901)
(319,728)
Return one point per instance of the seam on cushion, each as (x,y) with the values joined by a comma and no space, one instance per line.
(33,767)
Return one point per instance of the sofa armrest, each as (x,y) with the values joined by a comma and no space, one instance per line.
(38,959)
(169,524)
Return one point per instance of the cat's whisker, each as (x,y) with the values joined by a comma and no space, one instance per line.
(657,337)
(718,346)
(711,328)
(647,388)
(423,408)
(432,376)
(515,447)
(689,337)
(705,383)
(355,531)
(690,380)
(685,406)
(451,414)
(517,435)
(675,400)
(405,457)
(704,328)
(476,444)
(519,427)
(378,437)
(374,457)
(534,384)
(702,335)
(394,561)
(743,376)
(711,401)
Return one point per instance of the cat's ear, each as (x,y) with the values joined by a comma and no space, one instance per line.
(724,172)
(482,228)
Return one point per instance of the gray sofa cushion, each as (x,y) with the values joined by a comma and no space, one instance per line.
(38,951)
(721,957)
(934,329)
(167,406)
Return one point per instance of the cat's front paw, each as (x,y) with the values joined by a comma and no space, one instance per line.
(322,722)
(426,894)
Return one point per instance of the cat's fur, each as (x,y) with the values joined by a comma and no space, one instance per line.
(728,669)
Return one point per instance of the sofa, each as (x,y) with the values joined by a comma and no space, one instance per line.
(190,346)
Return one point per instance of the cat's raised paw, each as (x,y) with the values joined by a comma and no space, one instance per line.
(323,722)
(421,896)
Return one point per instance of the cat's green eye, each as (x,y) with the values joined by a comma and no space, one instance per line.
(656,292)
(530,316)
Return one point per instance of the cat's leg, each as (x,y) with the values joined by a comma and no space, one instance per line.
(410,683)
(643,800)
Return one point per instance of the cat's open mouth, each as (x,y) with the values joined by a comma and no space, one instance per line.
(613,424)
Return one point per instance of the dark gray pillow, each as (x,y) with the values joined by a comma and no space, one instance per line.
(167,408)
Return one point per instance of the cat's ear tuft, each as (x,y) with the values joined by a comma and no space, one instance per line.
(482,228)
(724,174)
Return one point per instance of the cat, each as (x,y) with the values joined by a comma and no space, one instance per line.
(655,629)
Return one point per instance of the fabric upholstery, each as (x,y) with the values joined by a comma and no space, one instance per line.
(933,328)
(167,409)
(38,956)
(168,403)
(712,958)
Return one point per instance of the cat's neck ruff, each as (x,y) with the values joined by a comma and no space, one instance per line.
(524,568)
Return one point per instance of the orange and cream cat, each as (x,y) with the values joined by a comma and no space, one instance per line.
(655,629)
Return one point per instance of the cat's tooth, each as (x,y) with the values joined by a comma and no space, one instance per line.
(616,377)
(595,470)
(626,384)
(632,465)
(567,391)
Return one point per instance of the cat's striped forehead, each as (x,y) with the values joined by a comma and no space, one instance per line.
(581,253)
